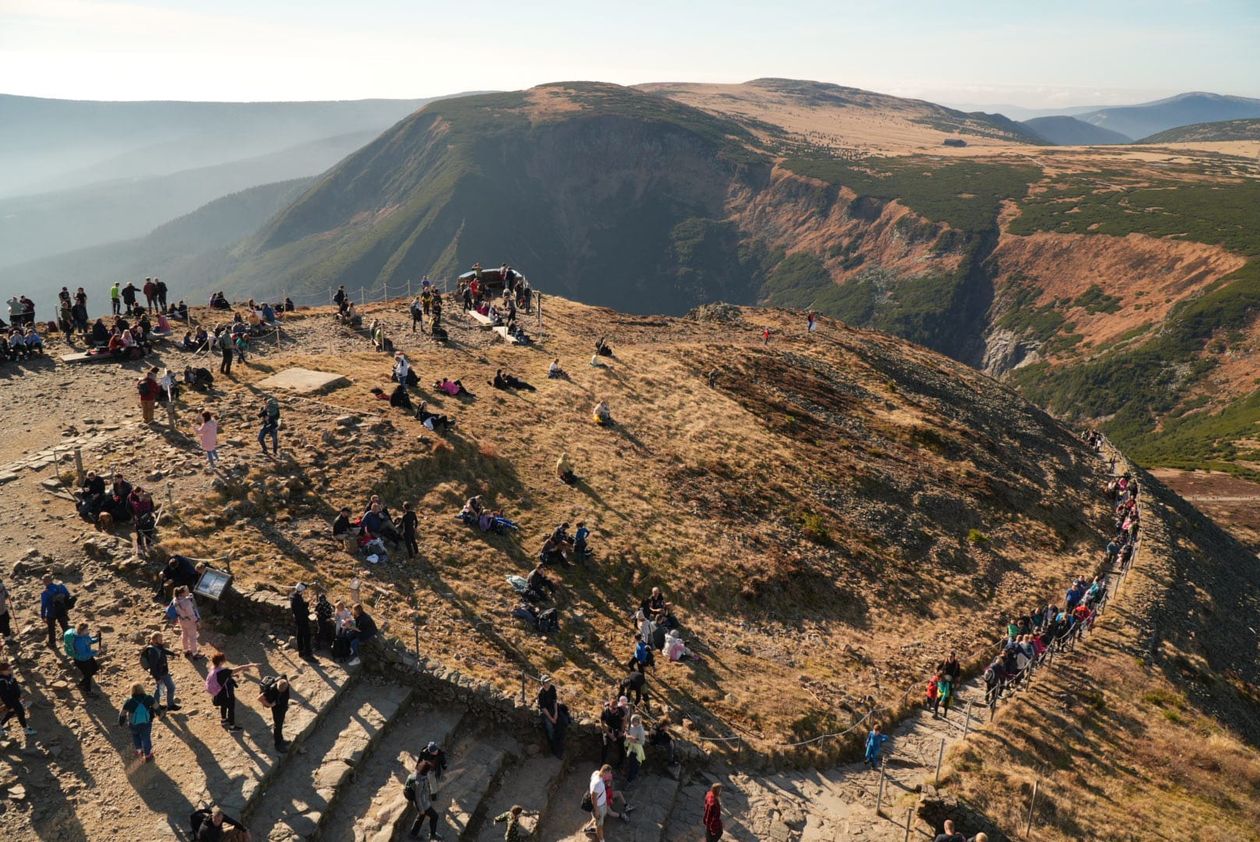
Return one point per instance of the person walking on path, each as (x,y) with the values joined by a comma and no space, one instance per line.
(225,348)
(513,832)
(149,390)
(270,415)
(221,685)
(301,621)
(713,813)
(417,315)
(138,713)
(54,608)
(601,806)
(155,659)
(409,524)
(418,793)
(275,697)
(115,298)
(811,322)
(944,693)
(78,643)
(11,699)
(6,617)
(208,436)
(188,618)
(166,383)
(874,743)
(765,336)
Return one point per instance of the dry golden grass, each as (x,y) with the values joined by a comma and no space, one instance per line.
(809,516)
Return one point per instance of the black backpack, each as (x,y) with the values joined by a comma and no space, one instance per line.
(146,658)
(198,817)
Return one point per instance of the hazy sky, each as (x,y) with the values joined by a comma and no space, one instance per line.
(967,51)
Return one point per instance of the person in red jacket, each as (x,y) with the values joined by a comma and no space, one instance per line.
(149,389)
(713,814)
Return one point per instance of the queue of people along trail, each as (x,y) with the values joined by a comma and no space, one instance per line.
(634,733)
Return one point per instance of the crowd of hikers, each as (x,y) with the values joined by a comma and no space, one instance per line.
(1034,635)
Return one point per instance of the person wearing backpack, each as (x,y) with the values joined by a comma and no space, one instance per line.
(78,645)
(154,660)
(418,792)
(270,415)
(54,607)
(944,692)
(221,685)
(148,388)
(138,712)
(275,697)
(11,699)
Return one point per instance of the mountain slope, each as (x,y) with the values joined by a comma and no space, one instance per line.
(1224,130)
(1069,131)
(192,252)
(587,187)
(52,223)
(1181,110)
(49,144)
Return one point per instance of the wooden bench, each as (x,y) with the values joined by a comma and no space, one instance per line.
(506,337)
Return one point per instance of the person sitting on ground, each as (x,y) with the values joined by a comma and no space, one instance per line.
(34,342)
(219,301)
(508,381)
(658,610)
(376,522)
(564,471)
(342,525)
(554,371)
(268,314)
(365,630)
(181,311)
(400,399)
(538,588)
(602,348)
(454,388)
(495,522)
(601,414)
(350,316)
(473,509)
(432,420)
(579,540)
(100,333)
(403,373)
(675,649)
(643,654)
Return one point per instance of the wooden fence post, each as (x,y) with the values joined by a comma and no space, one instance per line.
(939,759)
(78,465)
(967,722)
(1031,804)
(909,819)
(883,773)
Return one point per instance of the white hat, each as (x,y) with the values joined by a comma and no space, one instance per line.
(299,587)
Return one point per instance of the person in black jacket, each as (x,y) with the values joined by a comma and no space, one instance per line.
(301,621)
(11,699)
(366,630)
(154,658)
(275,697)
(214,825)
(434,754)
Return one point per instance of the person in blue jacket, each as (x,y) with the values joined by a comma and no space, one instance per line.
(874,742)
(54,607)
(78,643)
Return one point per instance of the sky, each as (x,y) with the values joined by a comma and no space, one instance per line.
(1019,52)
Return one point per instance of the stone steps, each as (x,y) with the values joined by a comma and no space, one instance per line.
(533,784)
(370,807)
(653,797)
(477,759)
(242,764)
(296,802)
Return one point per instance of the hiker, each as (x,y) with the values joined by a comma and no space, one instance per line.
(6,616)
(420,794)
(811,322)
(537,586)
(404,375)
(377,524)
(549,712)
(150,294)
(643,654)
(437,760)
(765,336)
(11,698)
(554,371)
(944,693)
(932,699)
(409,523)
(154,659)
(270,417)
(115,296)
(301,621)
(602,348)
(506,381)
(948,834)
(951,668)
(55,603)
(511,833)
(224,341)
(221,685)
(341,298)
(78,644)
(275,697)
(129,296)
(564,471)
(597,793)
(712,818)
(208,437)
(454,388)
(635,683)
(612,723)
(187,617)
(138,713)
(148,388)
(601,414)
(365,630)
(417,312)
(212,824)
(168,391)
(580,537)
(240,344)
(874,743)
(661,736)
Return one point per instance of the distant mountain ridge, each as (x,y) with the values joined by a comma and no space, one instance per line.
(1146,119)
(50,144)
(1223,130)
(1069,131)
